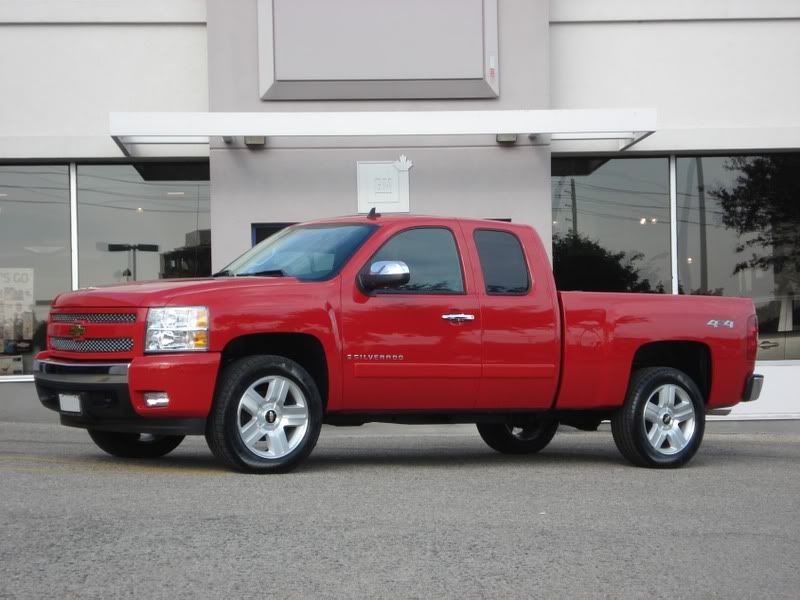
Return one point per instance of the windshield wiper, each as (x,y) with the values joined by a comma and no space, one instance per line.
(223,273)
(266,273)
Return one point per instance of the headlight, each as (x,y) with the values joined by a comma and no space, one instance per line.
(177,329)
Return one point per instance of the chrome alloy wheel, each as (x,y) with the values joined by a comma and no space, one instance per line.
(669,419)
(272,416)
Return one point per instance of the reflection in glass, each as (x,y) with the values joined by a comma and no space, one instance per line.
(432,258)
(739,235)
(142,222)
(34,258)
(611,224)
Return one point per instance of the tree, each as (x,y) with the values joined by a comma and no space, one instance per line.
(763,207)
(580,263)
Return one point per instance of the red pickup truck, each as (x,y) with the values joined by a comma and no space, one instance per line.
(393,319)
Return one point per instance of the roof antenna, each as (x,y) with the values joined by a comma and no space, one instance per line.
(373,214)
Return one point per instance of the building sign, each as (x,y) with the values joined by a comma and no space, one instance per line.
(383,185)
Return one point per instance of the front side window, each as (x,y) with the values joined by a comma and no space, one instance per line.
(308,253)
(502,263)
(432,257)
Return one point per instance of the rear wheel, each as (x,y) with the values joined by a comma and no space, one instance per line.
(662,421)
(135,445)
(267,415)
(523,438)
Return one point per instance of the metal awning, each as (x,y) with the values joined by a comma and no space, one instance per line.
(625,126)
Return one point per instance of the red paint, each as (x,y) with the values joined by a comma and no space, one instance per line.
(394,353)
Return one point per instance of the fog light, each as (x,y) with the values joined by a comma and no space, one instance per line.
(154,399)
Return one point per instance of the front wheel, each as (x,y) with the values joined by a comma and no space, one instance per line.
(135,445)
(662,421)
(267,415)
(524,438)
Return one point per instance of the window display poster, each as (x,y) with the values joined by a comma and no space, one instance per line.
(16,307)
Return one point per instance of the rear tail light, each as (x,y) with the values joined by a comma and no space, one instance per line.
(752,337)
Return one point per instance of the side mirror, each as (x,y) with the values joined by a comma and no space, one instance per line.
(385,274)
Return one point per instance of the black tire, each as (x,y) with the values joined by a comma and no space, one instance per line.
(135,445)
(630,428)
(224,428)
(525,438)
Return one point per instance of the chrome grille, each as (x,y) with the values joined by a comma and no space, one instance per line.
(65,344)
(94,317)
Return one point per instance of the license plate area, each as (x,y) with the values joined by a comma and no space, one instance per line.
(69,403)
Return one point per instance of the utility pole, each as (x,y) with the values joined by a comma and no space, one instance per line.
(132,249)
(701,202)
(574,207)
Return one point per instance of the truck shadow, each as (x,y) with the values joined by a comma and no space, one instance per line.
(449,459)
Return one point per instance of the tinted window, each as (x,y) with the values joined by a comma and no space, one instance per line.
(738,218)
(432,258)
(611,224)
(140,222)
(34,258)
(502,262)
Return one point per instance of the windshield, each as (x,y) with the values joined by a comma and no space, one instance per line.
(307,252)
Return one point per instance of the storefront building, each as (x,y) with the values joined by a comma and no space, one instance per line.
(703,198)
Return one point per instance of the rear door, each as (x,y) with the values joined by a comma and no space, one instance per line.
(520,349)
(415,348)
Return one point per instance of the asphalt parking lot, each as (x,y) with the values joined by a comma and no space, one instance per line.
(405,512)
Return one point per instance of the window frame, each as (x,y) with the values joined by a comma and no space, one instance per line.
(396,292)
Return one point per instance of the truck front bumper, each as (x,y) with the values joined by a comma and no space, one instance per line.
(112,396)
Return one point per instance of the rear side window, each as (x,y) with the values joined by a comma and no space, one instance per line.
(432,257)
(505,272)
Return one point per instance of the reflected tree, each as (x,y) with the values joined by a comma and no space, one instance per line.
(763,206)
(580,263)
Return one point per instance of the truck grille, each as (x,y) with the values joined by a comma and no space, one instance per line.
(65,344)
(94,317)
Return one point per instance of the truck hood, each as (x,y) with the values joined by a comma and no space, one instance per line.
(167,292)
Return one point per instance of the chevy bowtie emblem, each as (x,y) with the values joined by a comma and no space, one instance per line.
(76,330)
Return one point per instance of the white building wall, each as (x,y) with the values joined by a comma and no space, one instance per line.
(722,73)
(66,65)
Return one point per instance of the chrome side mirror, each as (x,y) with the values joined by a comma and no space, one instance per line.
(385,274)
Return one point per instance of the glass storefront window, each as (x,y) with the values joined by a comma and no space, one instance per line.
(34,258)
(611,224)
(142,222)
(739,235)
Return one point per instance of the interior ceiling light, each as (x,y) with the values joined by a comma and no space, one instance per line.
(654,220)
(642,221)
(2,195)
(176,193)
(140,209)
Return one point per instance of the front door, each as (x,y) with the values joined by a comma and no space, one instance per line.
(416,347)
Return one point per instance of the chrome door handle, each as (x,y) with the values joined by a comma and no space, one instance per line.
(458,317)
(766,345)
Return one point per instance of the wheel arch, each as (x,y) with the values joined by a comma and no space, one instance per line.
(303,348)
(693,358)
